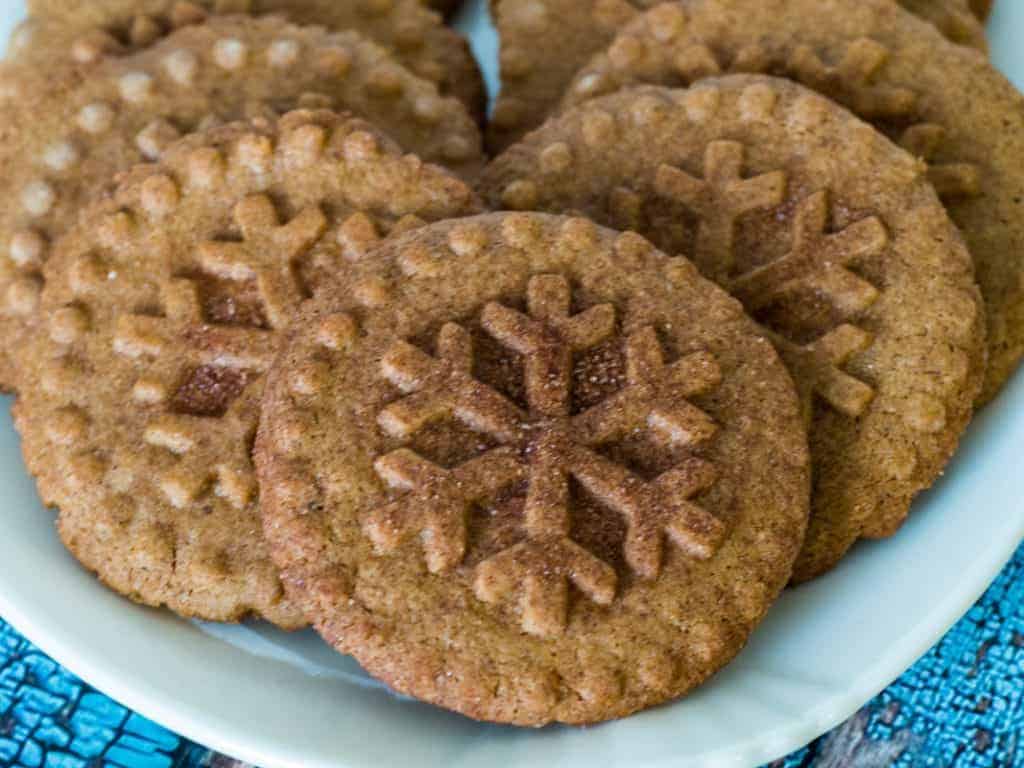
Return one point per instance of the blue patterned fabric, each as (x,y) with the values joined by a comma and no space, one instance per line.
(961,706)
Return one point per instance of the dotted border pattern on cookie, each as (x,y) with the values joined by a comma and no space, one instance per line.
(407,28)
(543,43)
(131,476)
(953,110)
(931,414)
(603,679)
(571,31)
(125,111)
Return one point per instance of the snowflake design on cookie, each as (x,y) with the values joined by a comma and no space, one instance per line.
(207,450)
(720,198)
(951,180)
(817,260)
(267,253)
(210,442)
(546,446)
(818,369)
(851,81)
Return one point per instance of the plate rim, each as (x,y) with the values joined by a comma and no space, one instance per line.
(141,695)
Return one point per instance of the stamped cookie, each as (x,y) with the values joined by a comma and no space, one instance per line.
(64,142)
(942,102)
(543,45)
(532,470)
(162,311)
(831,237)
(545,42)
(98,12)
(416,35)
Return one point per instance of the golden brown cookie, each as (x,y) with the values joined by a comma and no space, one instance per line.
(831,237)
(162,311)
(943,102)
(532,470)
(543,45)
(545,42)
(407,28)
(66,136)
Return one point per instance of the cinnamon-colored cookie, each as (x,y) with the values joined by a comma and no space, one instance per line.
(545,42)
(831,237)
(415,34)
(532,470)
(65,136)
(944,103)
(162,311)
(543,45)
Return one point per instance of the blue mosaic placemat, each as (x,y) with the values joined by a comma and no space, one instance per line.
(961,706)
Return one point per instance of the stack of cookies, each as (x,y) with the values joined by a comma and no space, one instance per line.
(535,438)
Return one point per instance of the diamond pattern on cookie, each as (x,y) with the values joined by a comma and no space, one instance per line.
(547,446)
(176,343)
(187,349)
(721,198)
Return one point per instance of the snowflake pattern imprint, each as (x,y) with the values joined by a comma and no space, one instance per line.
(818,261)
(211,443)
(547,446)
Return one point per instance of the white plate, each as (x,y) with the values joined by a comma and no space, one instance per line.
(287,700)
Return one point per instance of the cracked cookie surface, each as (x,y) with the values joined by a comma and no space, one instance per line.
(831,237)
(163,310)
(531,469)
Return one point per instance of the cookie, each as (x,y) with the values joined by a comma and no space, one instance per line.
(65,137)
(162,310)
(953,18)
(982,8)
(531,469)
(831,237)
(543,45)
(545,42)
(412,32)
(942,102)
